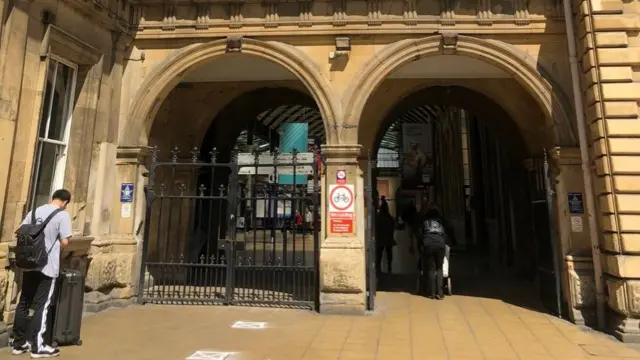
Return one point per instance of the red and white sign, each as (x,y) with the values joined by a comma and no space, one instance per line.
(341,208)
(341,177)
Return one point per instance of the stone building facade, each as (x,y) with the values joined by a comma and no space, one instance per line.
(119,61)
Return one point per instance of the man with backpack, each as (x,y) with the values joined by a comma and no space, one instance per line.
(40,237)
(433,234)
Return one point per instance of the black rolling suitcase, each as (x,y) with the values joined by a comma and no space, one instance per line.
(67,314)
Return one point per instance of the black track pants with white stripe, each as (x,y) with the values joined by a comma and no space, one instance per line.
(37,293)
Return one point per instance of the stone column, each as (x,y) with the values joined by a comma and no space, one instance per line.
(607,32)
(578,282)
(342,255)
(113,273)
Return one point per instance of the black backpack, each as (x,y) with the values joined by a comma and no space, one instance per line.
(31,249)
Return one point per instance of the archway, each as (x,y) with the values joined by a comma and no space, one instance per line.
(236,205)
(168,74)
(530,75)
(503,119)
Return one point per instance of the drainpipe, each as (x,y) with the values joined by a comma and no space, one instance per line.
(585,162)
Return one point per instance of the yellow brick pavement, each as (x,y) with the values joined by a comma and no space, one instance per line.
(404,327)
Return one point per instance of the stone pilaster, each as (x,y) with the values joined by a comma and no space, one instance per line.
(112,276)
(608,34)
(573,234)
(12,59)
(342,256)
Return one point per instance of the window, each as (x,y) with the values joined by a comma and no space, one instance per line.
(53,134)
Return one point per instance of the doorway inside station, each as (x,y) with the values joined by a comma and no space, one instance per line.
(233,197)
(458,149)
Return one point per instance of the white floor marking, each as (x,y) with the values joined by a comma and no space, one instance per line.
(209,355)
(249,325)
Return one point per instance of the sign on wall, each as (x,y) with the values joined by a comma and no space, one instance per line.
(126,198)
(126,192)
(576,205)
(341,208)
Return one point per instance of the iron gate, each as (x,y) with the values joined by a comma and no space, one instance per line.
(371,236)
(240,232)
(544,230)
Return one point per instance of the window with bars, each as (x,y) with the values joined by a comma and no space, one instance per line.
(53,133)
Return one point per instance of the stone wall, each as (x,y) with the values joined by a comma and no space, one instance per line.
(608,35)
(96,44)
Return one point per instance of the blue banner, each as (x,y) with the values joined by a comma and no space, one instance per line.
(293,136)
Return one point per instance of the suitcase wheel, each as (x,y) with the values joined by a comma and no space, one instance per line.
(55,344)
(79,342)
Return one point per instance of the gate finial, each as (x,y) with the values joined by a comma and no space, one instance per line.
(174,154)
(154,153)
(213,155)
(195,153)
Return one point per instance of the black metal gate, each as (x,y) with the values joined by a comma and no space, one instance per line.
(542,195)
(241,232)
(371,237)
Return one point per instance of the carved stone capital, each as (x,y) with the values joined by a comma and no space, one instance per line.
(132,154)
(342,154)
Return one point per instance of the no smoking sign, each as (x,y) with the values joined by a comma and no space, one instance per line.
(341,208)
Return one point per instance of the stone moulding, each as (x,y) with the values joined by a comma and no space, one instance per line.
(580,291)
(506,57)
(60,42)
(166,75)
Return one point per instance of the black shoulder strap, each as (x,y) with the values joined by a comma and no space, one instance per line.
(54,213)
(33,215)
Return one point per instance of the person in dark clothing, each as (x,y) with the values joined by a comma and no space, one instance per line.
(385,241)
(432,235)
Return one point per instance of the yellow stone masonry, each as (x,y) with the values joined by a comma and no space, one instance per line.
(612,91)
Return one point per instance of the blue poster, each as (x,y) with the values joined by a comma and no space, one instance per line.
(293,136)
(126,192)
(576,205)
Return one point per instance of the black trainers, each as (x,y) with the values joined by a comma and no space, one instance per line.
(46,352)
(19,350)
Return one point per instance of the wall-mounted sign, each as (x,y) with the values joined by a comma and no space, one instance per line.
(576,205)
(126,192)
(341,177)
(125,211)
(576,224)
(341,208)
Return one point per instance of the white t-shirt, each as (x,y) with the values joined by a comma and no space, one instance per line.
(58,228)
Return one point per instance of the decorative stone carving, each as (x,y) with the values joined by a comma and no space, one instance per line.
(634,296)
(169,19)
(339,12)
(484,16)
(305,13)
(584,290)
(409,12)
(235,15)
(374,12)
(617,296)
(271,16)
(203,12)
(521,12)
(137,17)
(109,270)
(449,43)
(447,15)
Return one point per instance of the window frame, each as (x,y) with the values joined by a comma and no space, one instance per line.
(60,165)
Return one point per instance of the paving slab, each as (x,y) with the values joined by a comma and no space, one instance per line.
(404,327)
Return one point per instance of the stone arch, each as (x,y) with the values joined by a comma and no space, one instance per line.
(167,74)
(522,67)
